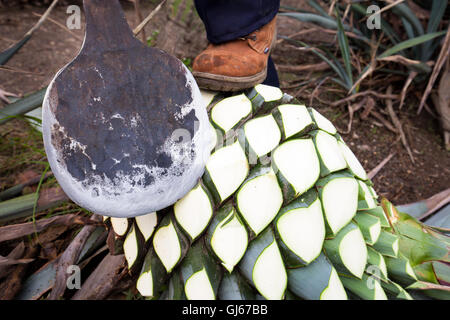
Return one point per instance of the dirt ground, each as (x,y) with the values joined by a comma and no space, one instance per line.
(52,46)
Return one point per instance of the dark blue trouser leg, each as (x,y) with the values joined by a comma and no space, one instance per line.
(227,20)
(272,76)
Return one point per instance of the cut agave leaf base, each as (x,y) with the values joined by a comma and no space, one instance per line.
(284,210)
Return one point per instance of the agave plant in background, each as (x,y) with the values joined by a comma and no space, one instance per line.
(414,53)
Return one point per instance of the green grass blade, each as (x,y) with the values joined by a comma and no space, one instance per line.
(345,49)
(411,43)
(37,120)
(22,106)
(37,198)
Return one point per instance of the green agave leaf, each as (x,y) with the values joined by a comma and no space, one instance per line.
(404,11)
(437,12)
(418,242)
(342,73)
(39,282)
(11,51)
(93,242)
(363,71)
(16,208)
(339,82)
(336,66)
(318,8)
(345,50)
(385,26)
(22,106)
(442,271)
(435,272)
(17,189)
(440,219)
(425,272)
(290,8)
(410,33)
(410,43)
(433,290)
(415,209)
(420,250)
(24,206)
(324,21)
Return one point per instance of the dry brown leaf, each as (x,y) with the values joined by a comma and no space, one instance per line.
(441,102)
(302,68)
(70,257)
(104,279)
(408,81)
(16,231)
(380,166)
(367,92)
(443,56)
(400,59)
(13,283)
(398,124)
(5,261)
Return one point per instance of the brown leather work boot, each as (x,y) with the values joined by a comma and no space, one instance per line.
(237,64)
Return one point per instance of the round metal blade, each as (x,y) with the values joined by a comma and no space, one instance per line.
(126,132)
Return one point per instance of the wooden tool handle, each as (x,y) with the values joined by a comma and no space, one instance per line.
(106,26)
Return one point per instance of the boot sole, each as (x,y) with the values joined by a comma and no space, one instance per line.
(217,82)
